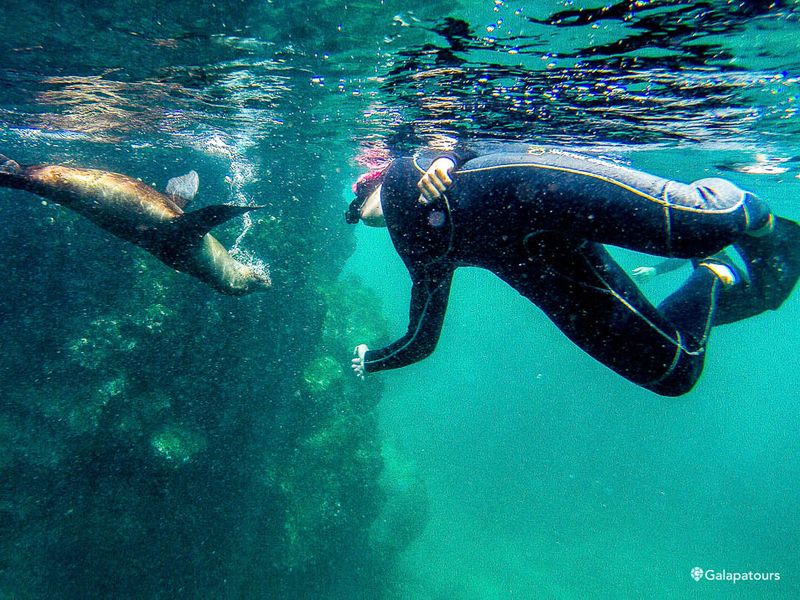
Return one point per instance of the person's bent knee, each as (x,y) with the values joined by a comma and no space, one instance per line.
(672,389)
(680,378)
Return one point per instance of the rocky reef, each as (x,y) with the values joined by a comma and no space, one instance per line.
(158,439)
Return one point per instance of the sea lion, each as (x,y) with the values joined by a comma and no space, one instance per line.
(139,214)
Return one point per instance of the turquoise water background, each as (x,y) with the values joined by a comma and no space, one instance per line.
(517,466)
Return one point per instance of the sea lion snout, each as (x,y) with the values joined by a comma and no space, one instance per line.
(260,280)
(245,278)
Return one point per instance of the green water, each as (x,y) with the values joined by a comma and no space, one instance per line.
(160,440)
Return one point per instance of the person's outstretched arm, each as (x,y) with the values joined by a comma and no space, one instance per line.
(429,296)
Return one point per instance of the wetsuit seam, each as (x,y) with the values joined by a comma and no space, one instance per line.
(667,220)
(679,350)
(636,312)
(452,224)
(668,230)
(701,344)
(746,212)
(677,342)
(712,304)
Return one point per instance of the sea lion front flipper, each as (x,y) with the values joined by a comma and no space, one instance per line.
(183,189)
(194,225)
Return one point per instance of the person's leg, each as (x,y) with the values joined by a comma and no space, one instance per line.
(593,301)
(684,220)
(612,204)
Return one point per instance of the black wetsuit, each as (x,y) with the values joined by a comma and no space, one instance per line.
(539,221)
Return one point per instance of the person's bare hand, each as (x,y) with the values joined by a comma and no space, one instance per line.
(436,180)
(358,362)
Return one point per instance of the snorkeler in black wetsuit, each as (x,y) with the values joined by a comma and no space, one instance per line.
(539,221)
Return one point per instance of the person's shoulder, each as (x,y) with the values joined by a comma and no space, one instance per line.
(401,167)
(400,181)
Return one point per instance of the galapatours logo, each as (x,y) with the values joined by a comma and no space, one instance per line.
(698,573)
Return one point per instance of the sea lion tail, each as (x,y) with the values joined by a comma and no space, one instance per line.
(194,225)
(11,173)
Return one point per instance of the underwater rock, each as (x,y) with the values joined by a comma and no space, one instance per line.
(160,442)
(84,413)
(103,339)
(177,445)
(329,488)
(406,510)
(352,315)
(322,373)
(7,441)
